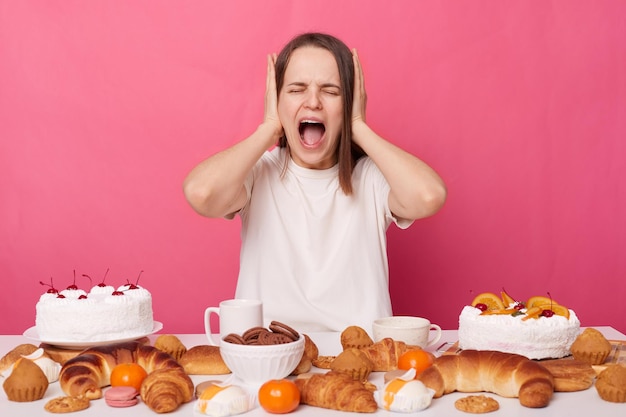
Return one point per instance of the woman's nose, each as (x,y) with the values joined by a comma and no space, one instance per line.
(312,100)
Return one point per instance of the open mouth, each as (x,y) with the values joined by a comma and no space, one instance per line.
(311,132)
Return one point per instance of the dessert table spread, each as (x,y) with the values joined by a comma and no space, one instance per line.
(583,403)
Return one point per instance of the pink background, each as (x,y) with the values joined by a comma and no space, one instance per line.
(520,106)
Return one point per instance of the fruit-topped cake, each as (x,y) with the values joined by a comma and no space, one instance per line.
(538,328)
(102,314)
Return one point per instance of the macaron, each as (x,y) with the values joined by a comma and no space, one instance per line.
(121,396)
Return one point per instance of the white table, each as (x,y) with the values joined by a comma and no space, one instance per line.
(583,403)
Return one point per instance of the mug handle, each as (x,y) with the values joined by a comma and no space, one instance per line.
(437,335)
(207,324)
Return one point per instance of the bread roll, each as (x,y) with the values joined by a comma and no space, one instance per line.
(570,374)
(170,344)
(204,360)
(505,374)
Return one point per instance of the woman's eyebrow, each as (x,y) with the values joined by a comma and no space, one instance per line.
(304,84)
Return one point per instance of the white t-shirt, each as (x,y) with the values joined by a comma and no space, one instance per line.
(316,257)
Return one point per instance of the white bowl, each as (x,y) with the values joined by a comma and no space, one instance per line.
(256,364)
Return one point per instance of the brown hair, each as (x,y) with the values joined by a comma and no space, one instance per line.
(347,151)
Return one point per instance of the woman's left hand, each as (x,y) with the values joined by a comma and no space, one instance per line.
(360,96)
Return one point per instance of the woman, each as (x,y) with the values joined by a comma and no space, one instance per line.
(315,208)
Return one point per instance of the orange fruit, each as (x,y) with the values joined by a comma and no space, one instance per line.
(417,359)
(128,375)
(499,312)
(539,300)
(279,396)
(492,301)
(557,309)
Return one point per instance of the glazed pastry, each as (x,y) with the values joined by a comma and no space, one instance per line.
(170,344)
(218,400)
(336,391)
(506,374)
(591,346)
(404,394)
(611,384)
(355,337)
(27,382)
(353,362)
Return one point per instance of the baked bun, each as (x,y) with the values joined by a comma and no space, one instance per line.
(611,384)
(204,360)
(354,362)
(591,346)
(355,337)
(170,344)
(310,354)
(26,383)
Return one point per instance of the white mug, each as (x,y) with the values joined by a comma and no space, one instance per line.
(411,330)
(235,316)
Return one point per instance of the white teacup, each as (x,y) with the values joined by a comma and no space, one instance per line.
(235,316)
(408,329)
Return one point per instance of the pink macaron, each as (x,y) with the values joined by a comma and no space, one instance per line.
(121,396)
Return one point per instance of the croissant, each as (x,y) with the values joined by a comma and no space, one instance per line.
(88,372)
(384,354)
(336,391)
(164,390)
(505,374)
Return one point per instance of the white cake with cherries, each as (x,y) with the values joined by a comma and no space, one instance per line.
(103,314)
(512,330)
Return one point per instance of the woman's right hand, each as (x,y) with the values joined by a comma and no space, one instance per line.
(270,116)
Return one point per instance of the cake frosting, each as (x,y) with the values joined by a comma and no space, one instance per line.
(103,314)
(535,338)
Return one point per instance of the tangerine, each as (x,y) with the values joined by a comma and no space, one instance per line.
(417,359)
(128,375)
(279,396)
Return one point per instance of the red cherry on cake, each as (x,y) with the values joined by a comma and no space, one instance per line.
(117,293)
(60,296)
(481,306)
(102,284)
(547,313)
(73,286)
(134,286)
(82,297)
(51,290)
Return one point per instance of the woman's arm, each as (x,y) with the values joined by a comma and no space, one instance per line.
(215,187)
(417,191)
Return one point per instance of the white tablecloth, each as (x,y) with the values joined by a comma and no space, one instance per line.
(584,403)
